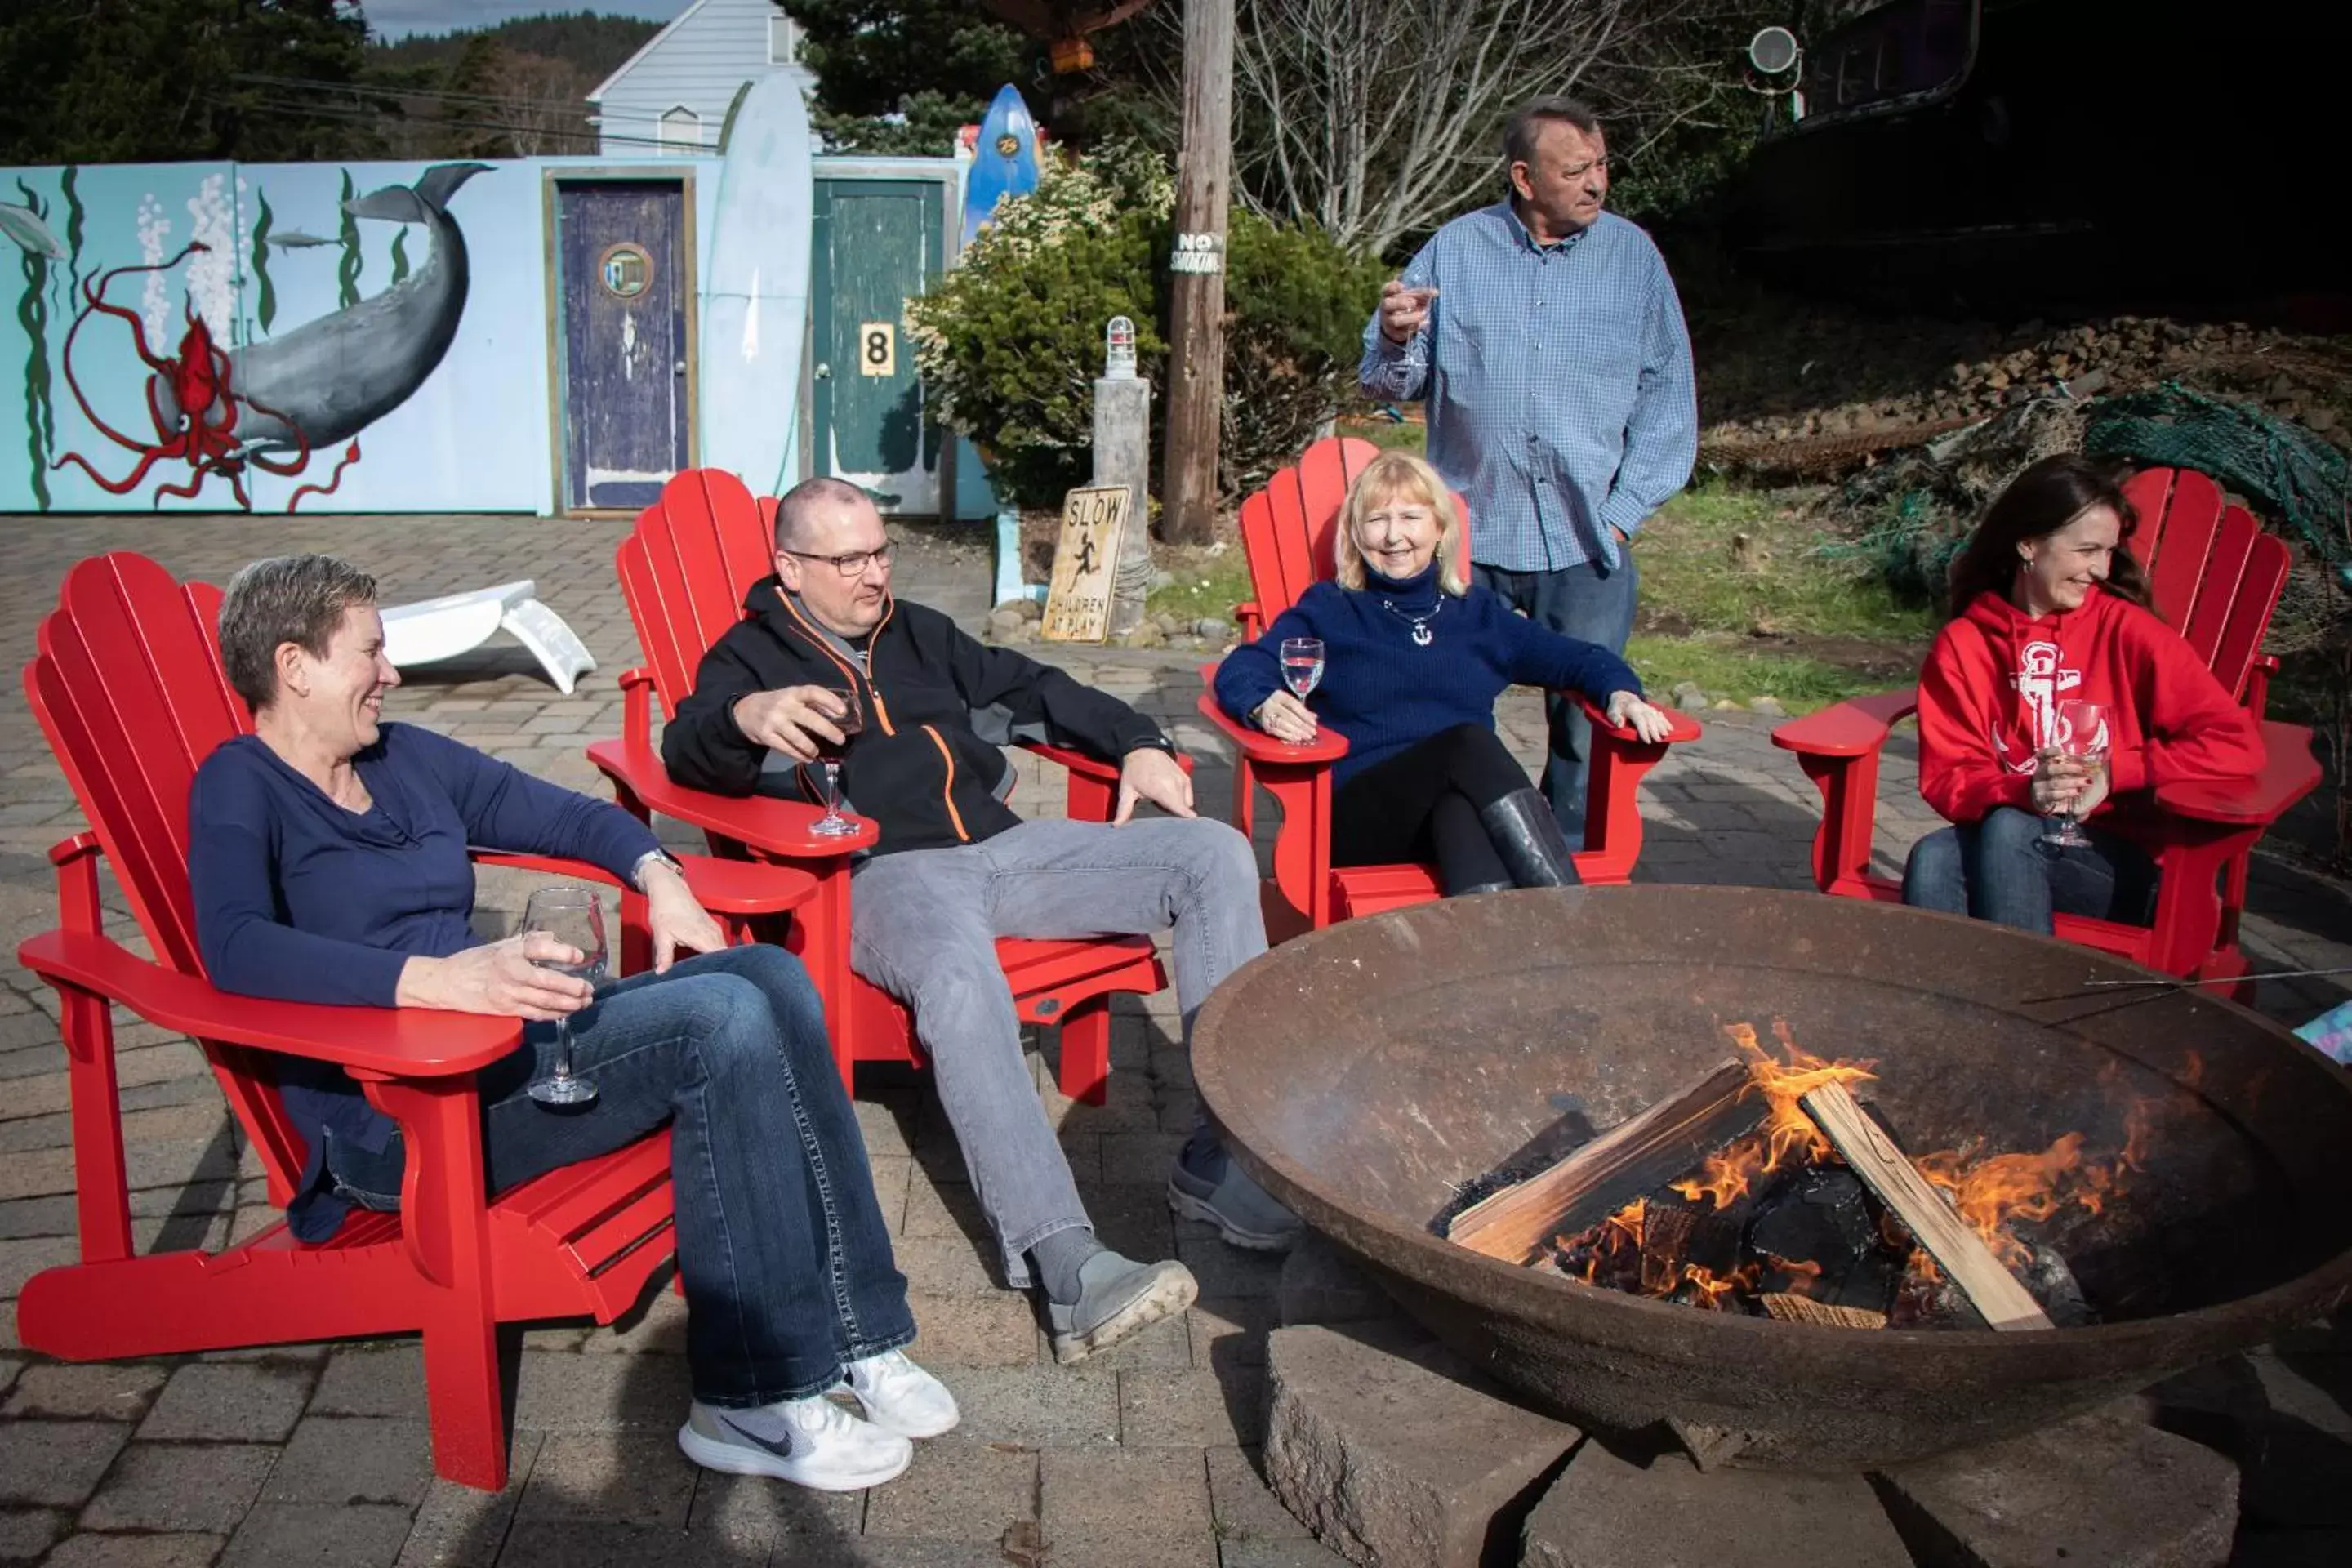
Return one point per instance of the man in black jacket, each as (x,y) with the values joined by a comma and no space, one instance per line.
(954,869)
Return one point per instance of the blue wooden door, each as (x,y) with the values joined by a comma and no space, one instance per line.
(625,296)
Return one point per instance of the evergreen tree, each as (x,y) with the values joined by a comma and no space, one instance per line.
(162,81)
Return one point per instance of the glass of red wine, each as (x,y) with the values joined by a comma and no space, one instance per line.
(829,755)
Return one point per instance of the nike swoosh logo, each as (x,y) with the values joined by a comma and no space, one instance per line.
(781,1451)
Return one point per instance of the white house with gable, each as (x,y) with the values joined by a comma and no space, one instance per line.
(670,98)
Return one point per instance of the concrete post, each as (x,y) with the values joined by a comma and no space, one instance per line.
(1123,456)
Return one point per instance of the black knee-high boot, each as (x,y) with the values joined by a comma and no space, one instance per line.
(1527,837)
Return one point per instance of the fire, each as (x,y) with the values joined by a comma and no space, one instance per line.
(1788,1136)
(1641,1248)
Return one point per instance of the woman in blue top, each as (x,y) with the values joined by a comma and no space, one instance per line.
(1414,660)
(328,854)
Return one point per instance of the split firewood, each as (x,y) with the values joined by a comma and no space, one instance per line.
(1639,1154)
(1788,1308)
(1958,1250)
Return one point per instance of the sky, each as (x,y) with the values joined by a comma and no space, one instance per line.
(398,18)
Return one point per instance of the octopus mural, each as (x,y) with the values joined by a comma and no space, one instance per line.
(269,406)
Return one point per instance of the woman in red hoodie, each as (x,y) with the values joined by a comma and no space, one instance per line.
(2048,607)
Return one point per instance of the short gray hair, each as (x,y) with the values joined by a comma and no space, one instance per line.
(298,599)
(1526,123)
(795,506)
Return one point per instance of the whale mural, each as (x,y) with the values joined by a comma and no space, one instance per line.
(266,406)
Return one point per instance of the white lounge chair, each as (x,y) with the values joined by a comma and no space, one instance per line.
(443,629)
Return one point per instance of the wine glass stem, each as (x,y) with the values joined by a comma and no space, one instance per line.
(831,788)
(563,1048)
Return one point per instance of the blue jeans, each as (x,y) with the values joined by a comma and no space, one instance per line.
(924,925)
(1594,603)
(1999,870)
(782,1245)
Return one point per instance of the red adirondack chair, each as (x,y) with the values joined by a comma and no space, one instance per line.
(129,687)
(684,572)
(1289,530)
(2215,576)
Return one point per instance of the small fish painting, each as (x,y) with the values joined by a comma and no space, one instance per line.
(296,239)
(24,226)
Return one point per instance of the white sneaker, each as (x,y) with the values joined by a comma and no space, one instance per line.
(900,1396)
(810,1442)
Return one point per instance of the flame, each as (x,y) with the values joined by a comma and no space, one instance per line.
(1787,1135)
(1991,1193)
(1713,1291)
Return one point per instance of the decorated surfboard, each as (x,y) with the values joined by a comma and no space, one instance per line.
(1004,159)
(756,295)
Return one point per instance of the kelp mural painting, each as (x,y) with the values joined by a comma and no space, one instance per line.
(27,226)
(263,407)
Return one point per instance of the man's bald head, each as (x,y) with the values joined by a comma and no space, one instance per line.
(803,510)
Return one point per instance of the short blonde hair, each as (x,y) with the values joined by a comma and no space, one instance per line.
(1400,476)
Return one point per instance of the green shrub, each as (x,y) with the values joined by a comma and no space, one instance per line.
(1011,341)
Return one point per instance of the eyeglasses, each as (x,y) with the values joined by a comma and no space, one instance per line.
(854,564)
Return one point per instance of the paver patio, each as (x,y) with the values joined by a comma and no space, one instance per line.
(1143,1455)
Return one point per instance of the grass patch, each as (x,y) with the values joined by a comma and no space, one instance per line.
(1205,584)
(1737,668)
(1729,559)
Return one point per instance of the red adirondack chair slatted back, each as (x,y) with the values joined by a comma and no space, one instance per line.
(685,568)
(2214,574)
(1291,529)
(129,687)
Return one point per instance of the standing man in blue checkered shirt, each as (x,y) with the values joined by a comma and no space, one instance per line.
(1548,342)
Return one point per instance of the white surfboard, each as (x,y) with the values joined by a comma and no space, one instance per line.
(755,298)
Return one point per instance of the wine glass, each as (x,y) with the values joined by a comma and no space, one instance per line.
(2083,736)
(829,754)
(573,916)
(1302,665)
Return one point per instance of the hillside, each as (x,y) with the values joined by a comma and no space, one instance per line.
(593,46)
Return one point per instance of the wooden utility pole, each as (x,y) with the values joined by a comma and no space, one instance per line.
(1196,367)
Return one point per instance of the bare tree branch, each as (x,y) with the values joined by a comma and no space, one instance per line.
(1379,119)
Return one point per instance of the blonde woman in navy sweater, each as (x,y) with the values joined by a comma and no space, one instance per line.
(1414,660)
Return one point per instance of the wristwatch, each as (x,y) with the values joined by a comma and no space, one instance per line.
(637,871)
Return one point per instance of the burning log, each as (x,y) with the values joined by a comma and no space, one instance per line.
(1959,1250)
(1594,1182)
(1788,1308)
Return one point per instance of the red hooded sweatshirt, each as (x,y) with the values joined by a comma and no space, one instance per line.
(1989,701)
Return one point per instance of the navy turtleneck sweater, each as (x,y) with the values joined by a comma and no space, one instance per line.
(1383,691)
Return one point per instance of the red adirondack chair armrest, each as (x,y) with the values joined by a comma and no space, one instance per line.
(722,886)
(394,1042)
(2289,773)
(1684,728)
(1084,764)
(1838,748)
(1856,728)
(1259,747)
(637,705)
(773,826)
(1094,783)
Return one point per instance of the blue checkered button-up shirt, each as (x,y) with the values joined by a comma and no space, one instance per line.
(1561,401)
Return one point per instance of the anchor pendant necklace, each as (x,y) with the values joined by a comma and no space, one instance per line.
(1421,635)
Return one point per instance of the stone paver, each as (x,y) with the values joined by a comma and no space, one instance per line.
(253,1402)
(319,1453)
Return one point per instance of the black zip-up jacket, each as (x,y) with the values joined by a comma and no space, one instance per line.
(928,767)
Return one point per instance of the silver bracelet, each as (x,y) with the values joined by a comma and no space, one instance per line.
(637,871)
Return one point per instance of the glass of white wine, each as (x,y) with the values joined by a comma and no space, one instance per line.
(573,916)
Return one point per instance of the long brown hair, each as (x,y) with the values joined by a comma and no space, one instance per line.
(2040,502)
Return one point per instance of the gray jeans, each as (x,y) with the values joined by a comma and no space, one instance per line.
(924,928)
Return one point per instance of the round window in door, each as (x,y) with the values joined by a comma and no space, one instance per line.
(625,270)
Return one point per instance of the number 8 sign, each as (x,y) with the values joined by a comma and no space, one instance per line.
(877,348)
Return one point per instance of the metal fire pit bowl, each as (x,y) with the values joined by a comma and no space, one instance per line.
(1364,1069)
